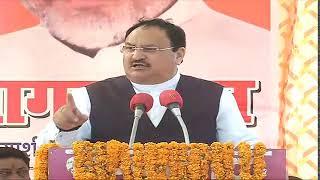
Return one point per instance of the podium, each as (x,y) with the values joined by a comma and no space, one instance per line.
(60,164)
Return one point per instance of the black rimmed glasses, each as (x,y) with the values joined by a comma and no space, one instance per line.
(131,49)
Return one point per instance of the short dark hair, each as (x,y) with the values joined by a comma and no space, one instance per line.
(10,152)
(175,33)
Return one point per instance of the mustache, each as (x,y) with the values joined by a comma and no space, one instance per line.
(140,62)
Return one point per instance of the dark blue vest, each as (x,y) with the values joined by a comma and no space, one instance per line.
(111,117)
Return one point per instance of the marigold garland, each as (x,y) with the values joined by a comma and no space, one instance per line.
(172,160)
(41,161)
(205,161)
(244,152)
(100,160)
(83,160)
(228,153)
(113,156)
(217,160)
(259,164)
(197,159)
(150,155)
(177,160)
(162,160)
(125,161)
(138,161)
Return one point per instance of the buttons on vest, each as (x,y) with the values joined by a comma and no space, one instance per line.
(157,135)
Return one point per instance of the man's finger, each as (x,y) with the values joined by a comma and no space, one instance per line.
(70,101)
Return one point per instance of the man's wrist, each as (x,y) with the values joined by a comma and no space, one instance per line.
(68,130)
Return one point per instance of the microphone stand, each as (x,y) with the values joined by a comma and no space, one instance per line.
(137,115)
(175,109)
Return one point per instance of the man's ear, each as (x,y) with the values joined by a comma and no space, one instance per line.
(180,55)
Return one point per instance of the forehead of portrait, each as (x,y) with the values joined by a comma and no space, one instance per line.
(9,152)
(93,24)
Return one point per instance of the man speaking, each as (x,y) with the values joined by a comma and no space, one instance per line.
(152,51)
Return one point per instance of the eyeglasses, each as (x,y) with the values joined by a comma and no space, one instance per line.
(21,172)
(131,49)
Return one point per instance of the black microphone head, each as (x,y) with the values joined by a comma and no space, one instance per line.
(143,99)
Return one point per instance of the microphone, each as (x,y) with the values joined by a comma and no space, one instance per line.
(173,101)
(139,103)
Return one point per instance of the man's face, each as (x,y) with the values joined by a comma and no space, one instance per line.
(97,23)
(13,168)
(150,67)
